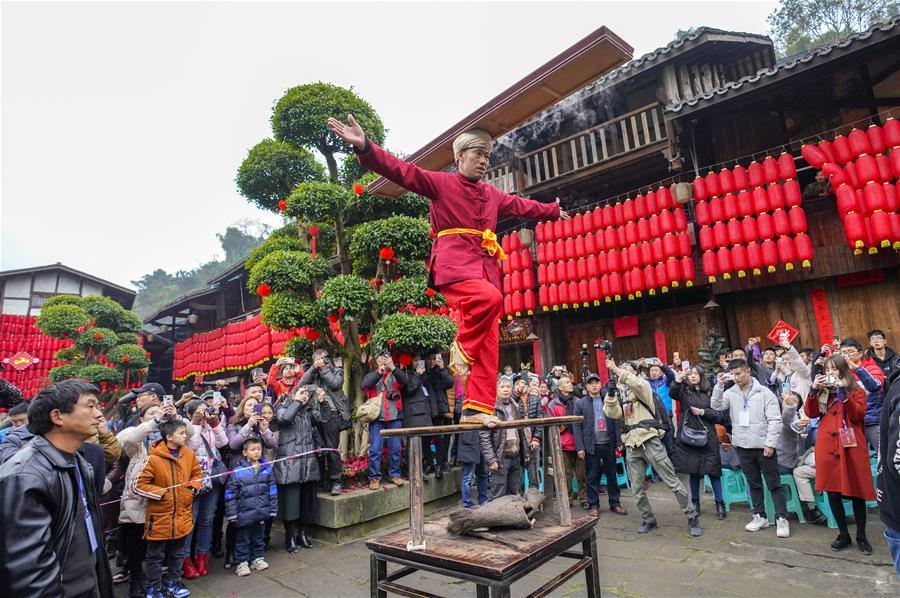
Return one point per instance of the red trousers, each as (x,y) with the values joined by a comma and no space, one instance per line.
(480,304)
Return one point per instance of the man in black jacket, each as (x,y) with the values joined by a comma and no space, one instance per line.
(596,440)
(56,546)
(888,481)
(438,380)
(335,410)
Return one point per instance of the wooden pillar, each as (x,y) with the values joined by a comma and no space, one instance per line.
(559,477)
(416,495)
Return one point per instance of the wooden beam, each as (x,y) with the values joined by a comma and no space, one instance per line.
(460,428)
(559,477)
(416,496)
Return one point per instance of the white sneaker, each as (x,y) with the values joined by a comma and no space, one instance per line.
(259,564)
(243,570)
(757,523)
(782,528)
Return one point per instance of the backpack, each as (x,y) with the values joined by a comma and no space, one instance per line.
(661,421)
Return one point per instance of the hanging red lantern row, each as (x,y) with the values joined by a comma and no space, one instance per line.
(517,271)
(235,346)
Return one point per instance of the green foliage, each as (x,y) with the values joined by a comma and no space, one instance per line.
(106,313)
(800,25)
(283,311)
(68,354)
(272,169)
(62,300)
(710,350)
(407,267)
(312,202)
(136,357)
(300,117)
(351,170)
(349,292)
(64,372)
(89,339)
(410,334)
(300,348)
(407,291)
(289,271)
(372,207)
(128,338)
(97,374)
(281,242)
(407,236)
(62,320)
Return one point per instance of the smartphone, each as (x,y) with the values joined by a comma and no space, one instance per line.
(420,365)
(257,409)
(836,343)
(728,377)
(310,388)
(167,400)
(217,396)
(685,365)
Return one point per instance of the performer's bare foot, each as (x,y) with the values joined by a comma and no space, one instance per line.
(489,421)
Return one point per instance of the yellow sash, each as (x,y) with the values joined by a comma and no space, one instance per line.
(488,239)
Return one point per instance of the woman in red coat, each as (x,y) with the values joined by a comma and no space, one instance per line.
(842,456)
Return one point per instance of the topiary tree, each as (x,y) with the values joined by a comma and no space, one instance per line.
(379,245)
(105,350)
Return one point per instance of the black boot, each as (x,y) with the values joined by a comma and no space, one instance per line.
(696,506)
(136,587)
(814,516)
(303,540)
(721,513)
(289,543)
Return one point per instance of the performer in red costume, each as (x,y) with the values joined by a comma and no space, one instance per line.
(463,263)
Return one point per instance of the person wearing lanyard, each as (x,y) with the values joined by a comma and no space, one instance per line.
(55,547)
(756,427)
(596,440)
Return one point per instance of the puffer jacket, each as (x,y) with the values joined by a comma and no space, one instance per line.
(240,432)
(169,510)
(661,386)
(870,378)
(332,380)
(889,365)
(765,416)
(633,390)
(296,435)
(437,381)
(251,496)
(492,441)
(788,447)
(38,493)
(416,408)
(135,444)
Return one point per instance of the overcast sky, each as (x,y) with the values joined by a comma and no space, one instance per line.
(123,123)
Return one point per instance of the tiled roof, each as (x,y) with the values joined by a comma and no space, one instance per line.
(795,63)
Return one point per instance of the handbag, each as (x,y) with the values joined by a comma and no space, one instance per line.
(691,437)
(846,435)
(370,410)
(218,468)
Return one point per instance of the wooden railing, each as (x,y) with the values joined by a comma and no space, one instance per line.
(606,141)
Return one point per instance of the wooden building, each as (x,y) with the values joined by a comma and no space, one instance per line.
(24,291)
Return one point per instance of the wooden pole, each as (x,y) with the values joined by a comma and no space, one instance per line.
(416,496)
(559,477)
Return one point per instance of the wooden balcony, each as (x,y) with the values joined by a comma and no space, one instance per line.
(607,141)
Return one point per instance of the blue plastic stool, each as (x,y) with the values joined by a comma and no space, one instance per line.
(734,487)
(622,473)
(791,498)
(825,507)
(540,475)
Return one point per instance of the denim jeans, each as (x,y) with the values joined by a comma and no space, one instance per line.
(376,442)
(204,512)
(250,543)
(478,473)
(716,482)
(892,537)
(602,461)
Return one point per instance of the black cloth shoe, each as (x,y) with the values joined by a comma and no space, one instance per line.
(694,525)
(814,516)
(303,540)
(721,513)
(336,489)
(647,526)
(863,545)
(841,543)
(136,588)
(290,543)
(229,560)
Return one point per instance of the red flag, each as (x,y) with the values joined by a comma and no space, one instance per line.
(774,336)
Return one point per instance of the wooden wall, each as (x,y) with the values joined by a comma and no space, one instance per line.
(686,328)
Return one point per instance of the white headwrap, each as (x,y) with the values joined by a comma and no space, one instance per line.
(476,138)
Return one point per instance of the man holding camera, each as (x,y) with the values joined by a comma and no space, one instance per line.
(289,370)
(382,383)
(630,399)
(756,427)
(324,377)
(438,380)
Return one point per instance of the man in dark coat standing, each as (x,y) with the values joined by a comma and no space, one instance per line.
(438,380)
(56,546)
(596,441)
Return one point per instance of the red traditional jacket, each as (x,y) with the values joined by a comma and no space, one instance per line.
(457,202)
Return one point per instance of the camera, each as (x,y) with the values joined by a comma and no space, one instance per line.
(604,345)
(584,351)
(210,411)
(830,380)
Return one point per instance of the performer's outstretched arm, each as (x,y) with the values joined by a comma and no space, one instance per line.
(377,160)
(513,205)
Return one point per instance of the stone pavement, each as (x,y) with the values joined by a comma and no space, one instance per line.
(726,561)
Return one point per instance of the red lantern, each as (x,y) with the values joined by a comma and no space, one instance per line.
(780,222)
(637,282)
(630,233)
(735,233)
(618,215)
(797,218)
(769,254)
(841,148)
(558,232)
(754,258)
(542,253)
(765,226)
(544,297)
(813,155)
(578,225)
(607,218)
(518,303)
(664,199)
(739,174)
(628,210)
(539,232)
(673,271)
(670,245)
(890,197)
(620,237)
(755,174)
(646,254)
(542,274)
(729,206)
(594,293)
(680,219)
(654,226)
(710,265)
(640,207)
(698,187)
(581,268)
(723,260)
(894,157)
(516,281)
(701,211)
(312,335)
(614,261)
(706,239)
(739,260)
(643,230)
(652,203)
(846,200)
(569,247)
(553,273)
(712,184)
(515,261)
(786,168)
(855,231)
(263,290)
(792,195)
(828,150)
(666,222)
(656,248)
(684,244)
(588,222)
(507,285)
(571,270)
(720,234)
(593,268)
(804,249)
(528,301)
(615,285)
(881,229)
(726,181)
(687,270)
(891,132)
(770,170)
(553,296)
(895,229)
(884,168)
(568,229)
(775,196)
(590,244)
(634,255)
(603,263)
(786,253)
(760,200)
(716,213)
(579,247)
(873,198)
(662,279)
(859,143)
(609,239)
(867,169)
(852,174)
(564,297)
(745,203)
(650,279)
(876,139)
